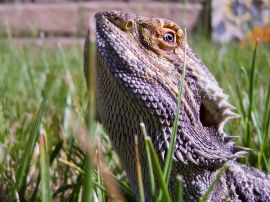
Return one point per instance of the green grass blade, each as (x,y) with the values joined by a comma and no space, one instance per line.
(69,151)
(169,156)
(2,125)
(245,75)
(88,185)
(2,139)
(139,169)
(76,191)
(125,189)
(250,97)
(46,194)
(267,163)
(255,121)
(90,75)
(240,98)
(266,132)
(160,177)
(213,184)
(53,155)
(265,129)
(266,116)
(100,192)
(179,189)
(149,162)
(33,137)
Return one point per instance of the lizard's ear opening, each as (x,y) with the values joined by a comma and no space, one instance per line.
(207,118)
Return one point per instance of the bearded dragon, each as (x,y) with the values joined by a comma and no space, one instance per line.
(139,66)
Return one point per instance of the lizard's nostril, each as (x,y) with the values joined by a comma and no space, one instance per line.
(129,25)
(123,24)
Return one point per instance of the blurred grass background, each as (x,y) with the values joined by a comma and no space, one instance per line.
(43,92)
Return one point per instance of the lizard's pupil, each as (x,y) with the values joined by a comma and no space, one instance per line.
(169,37)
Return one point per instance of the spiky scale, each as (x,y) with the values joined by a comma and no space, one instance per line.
(229,138)
(179,156)
(189,157)
(236,149)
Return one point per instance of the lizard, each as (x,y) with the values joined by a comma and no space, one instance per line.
(139,66)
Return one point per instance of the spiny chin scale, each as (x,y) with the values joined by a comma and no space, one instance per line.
(214,94)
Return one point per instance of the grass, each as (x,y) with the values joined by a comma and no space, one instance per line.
(43,132)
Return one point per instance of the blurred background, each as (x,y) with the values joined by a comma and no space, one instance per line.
(43,91)
(224,20)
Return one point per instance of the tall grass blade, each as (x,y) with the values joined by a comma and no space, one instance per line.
(139,169)
(149,162)
(240,98)
(69,152)
(125,190)
(76,191)
(267,163)
(213,184)
(159,174)
(265,129)
(53,155)
(169,156)
(179,189)
(266,116)
(255,121)
(2,125)
(90,74)
(251,98)
(2,139)
(100,191)
(88,185)
(46,194)
(26,158)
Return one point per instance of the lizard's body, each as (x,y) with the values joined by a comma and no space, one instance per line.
(139,66)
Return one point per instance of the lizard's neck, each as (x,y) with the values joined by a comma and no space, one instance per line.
(196,181)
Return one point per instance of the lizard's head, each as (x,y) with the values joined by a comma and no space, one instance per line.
(145,56)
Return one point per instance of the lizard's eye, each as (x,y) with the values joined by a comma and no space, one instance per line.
(169,37)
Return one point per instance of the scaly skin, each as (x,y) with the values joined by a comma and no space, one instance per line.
(139,66)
